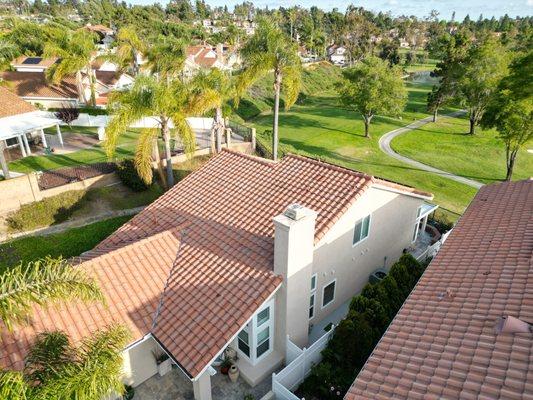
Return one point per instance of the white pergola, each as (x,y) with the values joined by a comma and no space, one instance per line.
(17,126)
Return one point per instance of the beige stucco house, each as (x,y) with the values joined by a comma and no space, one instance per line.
(243,254)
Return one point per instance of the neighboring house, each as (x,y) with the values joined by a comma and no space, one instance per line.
(34,88)
(225,259)
(200,57)
(466,331)
(33,64)
(337,54)
(106,35)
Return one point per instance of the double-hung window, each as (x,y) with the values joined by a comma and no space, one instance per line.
(361,229)
(312,298)
(255,340)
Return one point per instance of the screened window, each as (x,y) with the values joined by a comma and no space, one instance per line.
(255,341)
(328,294)
(312,306)
(263,341)
(361,229)
(244,341)
(313,283)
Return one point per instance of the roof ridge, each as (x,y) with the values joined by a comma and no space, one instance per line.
(329,165)
(252,157)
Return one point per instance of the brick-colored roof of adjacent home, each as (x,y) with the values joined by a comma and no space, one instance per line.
(34,84)
(11,104)
(211,239)
(442,343)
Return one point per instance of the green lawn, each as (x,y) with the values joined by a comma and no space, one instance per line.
(321,127)
(446,145)
(125,149)
(66,244)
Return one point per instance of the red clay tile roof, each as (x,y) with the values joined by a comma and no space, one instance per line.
(108,78)
(132,278)
(217,252)
(442,343)
(11,104)
(99,29)
(34,84)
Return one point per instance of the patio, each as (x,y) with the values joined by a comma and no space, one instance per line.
(176,386)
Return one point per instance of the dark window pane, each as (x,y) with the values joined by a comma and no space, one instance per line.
(244,347)
(329,294)
(263,348)
(357,233)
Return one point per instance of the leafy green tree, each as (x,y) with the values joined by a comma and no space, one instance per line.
(42,282)
(485,65)
(166,99)
(56,369)
(270,49)
(373,87)
(166,57)
(75,52)
(510,111)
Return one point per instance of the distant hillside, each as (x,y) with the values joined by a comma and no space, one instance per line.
(316,78)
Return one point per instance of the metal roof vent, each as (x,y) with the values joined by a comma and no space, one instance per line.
(508,324)
(295,212)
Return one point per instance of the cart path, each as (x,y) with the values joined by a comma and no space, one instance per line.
(385,146)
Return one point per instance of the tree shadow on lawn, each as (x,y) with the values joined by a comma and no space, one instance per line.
(333,156)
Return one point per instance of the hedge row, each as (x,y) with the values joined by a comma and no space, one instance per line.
(355,337)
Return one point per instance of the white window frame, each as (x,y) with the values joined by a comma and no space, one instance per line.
(415,231)
(312,295)
(334,293)
(368,234)
(253,330)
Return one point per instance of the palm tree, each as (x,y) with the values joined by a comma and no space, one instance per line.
(211,91)
(270,49)
(168,102)
(56,369)
(129,49)
(166,57)
(75,52)
(8,51)
(42,282)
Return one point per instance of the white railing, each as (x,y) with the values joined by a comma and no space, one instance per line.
(297,369)
(432,250)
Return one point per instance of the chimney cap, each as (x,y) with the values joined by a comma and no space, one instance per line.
(295,212)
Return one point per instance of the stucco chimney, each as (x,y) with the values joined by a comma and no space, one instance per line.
(220,52)
(293,260)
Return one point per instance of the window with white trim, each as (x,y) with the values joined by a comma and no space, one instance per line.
(255,340)
(361,229)
(312,298)
(328,293)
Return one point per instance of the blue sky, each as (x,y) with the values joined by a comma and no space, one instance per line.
(419,8)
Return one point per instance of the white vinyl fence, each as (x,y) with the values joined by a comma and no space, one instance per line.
(432,250)
(299,363)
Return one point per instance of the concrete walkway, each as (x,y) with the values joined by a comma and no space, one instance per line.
(385,146)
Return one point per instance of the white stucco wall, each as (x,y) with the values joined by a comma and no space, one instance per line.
(139,362)
(391,228)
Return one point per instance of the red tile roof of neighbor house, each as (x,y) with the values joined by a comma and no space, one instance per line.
(36,62)
(205,249)
(11,104)
(34,84)
(443,343)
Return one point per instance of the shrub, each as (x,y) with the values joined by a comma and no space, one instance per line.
(356,336)
(67,114)
(127,173)
(49,211)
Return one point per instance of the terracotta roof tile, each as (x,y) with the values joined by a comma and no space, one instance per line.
(11,104)
(453,350)
(34,84)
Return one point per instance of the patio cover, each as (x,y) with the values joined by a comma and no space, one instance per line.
(17,125)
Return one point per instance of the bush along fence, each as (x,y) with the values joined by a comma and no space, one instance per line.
(355,337)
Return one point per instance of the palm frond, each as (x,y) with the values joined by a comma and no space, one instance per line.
(97,371)
(143,154)
(13,386)
(49,354)
(291,84)
(41,282)
(184,132)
